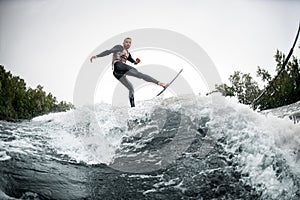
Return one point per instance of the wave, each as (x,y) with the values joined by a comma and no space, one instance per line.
(157,132)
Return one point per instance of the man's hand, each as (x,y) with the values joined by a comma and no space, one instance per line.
(137,60)
(92,58)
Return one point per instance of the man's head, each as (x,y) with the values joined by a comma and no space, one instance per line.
(127,43)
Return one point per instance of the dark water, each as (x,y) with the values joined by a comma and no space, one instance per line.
(178,148)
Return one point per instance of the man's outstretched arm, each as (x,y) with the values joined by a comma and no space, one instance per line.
(113,50)
(107,52)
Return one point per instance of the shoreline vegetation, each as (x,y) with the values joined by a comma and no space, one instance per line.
(281,90)
(19,102)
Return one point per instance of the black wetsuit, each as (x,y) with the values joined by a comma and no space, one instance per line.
(121,69)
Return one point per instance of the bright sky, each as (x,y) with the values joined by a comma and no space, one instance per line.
(46,42)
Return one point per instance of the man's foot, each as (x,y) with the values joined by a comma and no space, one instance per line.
(162,84)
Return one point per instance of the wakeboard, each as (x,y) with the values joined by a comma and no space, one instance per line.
(170,83)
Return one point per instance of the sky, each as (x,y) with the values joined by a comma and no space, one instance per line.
(47,42)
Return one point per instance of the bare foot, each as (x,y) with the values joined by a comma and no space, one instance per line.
(162,84)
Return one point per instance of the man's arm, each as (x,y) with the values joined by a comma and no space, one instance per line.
(130,59)
(113,50)
(107,52)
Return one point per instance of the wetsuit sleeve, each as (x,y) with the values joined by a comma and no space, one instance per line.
(112,50)
(130,59)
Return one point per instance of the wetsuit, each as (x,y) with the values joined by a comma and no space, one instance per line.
(121,69)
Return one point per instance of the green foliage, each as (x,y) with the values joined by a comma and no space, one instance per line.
(243,87)
(283,89)
(225,90)
(18,102)
(263,74)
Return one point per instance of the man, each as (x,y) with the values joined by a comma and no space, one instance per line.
(121,69)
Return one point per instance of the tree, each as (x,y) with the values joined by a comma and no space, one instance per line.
(280,90)
(263,74)
(284,88)
(242,86)
(19,102)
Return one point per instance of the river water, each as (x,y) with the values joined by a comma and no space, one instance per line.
(177,148)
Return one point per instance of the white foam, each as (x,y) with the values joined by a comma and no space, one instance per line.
(4,156)
(263,140)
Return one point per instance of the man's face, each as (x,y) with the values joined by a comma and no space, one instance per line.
(127,43)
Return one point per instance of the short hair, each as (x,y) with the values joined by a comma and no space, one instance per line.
(128,38)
